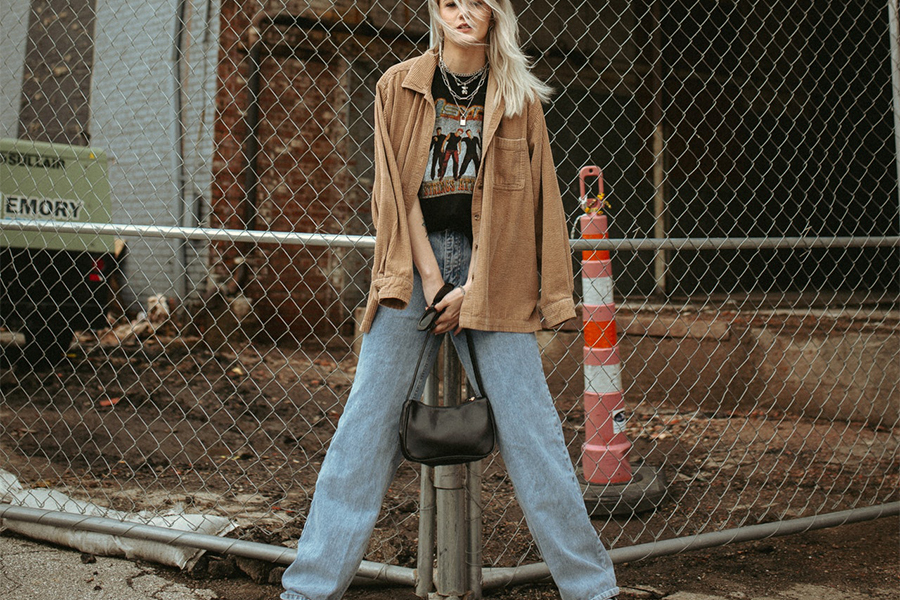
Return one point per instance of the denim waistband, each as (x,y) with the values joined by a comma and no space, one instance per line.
(453,251)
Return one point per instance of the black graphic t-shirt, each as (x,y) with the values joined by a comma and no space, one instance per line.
(453,159)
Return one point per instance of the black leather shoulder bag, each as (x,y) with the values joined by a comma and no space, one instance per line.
(447,435)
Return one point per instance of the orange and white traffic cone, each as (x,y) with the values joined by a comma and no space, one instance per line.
(606,448)
(611,486)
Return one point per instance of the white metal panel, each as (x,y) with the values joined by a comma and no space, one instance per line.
(133,116)
(14,28)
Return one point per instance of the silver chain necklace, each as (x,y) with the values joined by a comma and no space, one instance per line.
(463,80)
(466,97)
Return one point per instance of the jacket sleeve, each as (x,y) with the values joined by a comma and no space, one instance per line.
(392,271)
(552,236)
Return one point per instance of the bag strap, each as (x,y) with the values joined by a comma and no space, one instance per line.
(471,346)
(412,384)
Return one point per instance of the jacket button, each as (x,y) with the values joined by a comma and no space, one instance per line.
(476,217)
(480,185)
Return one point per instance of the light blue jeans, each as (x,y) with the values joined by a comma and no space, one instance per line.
(365,452)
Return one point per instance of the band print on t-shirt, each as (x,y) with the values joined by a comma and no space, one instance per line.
(455,151)
(454,157)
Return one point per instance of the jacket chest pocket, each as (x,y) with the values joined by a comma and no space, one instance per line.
(510,163)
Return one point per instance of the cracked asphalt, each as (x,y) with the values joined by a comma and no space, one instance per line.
(38,571)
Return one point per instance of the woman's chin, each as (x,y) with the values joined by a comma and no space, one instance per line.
(466,39)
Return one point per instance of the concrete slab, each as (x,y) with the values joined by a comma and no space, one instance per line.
(818,592)
(32,571)
(693,596)
(796,592)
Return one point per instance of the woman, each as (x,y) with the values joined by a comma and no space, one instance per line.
(499,240)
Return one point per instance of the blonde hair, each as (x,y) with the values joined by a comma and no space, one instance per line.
(512,69)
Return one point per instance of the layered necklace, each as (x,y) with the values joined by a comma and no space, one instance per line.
(463,82)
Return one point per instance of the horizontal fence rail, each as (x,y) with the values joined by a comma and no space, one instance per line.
(205,234)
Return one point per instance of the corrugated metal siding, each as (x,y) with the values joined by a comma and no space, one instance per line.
(14,25)
(133,117)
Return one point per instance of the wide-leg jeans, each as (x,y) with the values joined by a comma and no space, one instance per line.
(365,451)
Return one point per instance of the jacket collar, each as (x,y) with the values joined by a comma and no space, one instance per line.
(421,75)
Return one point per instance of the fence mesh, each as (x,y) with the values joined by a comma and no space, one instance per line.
(762,383)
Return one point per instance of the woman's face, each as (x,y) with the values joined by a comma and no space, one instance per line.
(474,27)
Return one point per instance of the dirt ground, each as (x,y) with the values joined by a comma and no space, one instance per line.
(861,558)
(241,430)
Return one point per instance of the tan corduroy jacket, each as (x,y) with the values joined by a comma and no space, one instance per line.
(522,254)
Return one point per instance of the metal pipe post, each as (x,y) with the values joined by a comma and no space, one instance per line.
(425,558)
(894,33)
(660,260)
(473,554)
(450,500)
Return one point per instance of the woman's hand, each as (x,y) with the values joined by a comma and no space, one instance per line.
(430,288)
(451,305)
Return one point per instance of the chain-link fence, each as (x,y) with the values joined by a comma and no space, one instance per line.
(749,155)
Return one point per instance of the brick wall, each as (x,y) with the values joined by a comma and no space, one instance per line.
(313,167)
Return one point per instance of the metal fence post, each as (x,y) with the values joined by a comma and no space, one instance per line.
(660,260)
(473,554)
(450,500)
(454,495)
(425,557)
(894,34)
